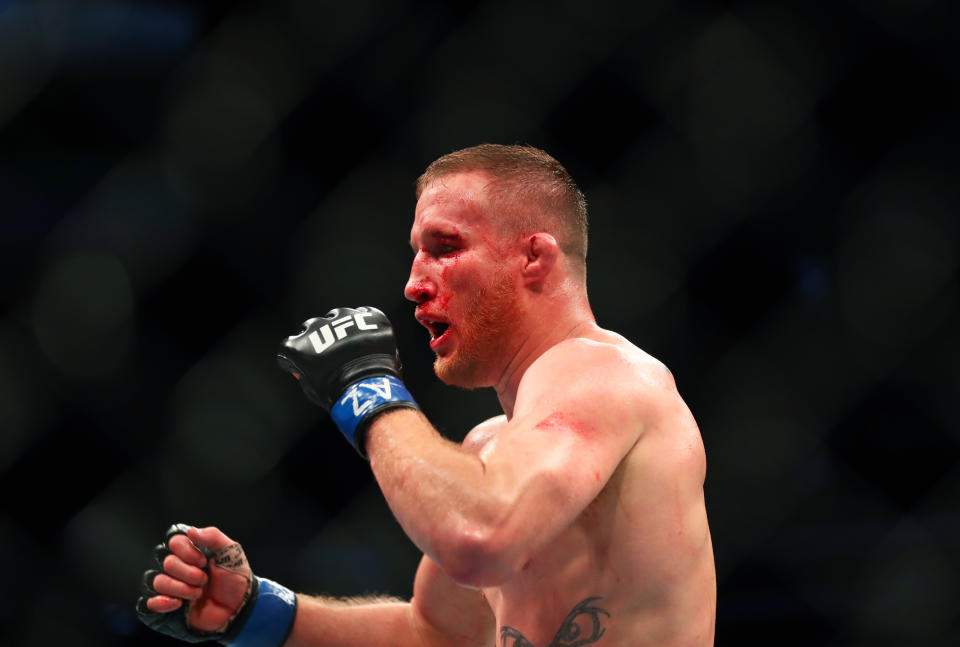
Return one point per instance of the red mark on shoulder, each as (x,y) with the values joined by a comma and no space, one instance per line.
(552,421)
(557,421)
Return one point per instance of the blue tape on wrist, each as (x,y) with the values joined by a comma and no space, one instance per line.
(270,621)
(362,398)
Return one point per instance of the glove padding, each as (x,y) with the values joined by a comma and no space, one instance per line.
(174,623)
(340,348)
(347,363)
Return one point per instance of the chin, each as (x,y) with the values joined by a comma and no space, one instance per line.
(456,372)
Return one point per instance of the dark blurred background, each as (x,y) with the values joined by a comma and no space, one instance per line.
(774,197)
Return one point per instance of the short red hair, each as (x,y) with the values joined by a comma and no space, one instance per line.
(524,176)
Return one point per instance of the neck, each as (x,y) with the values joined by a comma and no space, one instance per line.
(550,322)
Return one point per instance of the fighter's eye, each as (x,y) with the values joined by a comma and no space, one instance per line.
(442,244)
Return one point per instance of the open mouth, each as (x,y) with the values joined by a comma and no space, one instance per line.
(436,327)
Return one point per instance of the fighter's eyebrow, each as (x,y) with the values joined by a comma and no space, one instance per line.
(440,235)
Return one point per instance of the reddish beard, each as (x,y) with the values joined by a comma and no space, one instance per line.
(482,340)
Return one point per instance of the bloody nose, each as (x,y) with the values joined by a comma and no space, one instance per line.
(419,290)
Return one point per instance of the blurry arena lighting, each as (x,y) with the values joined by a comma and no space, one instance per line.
(362,543)
(898,258)
(83,315)
(27,58)
(548,53)
(230,414)
(41,40)
(24,394)
(132,213)
(219,144)
(745,113)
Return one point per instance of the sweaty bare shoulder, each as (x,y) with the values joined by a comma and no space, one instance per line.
(653,392)
(482,433)
(603,371)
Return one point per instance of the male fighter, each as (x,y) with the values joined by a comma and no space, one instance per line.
(576,518)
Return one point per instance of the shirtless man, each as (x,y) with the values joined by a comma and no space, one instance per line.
(576,518)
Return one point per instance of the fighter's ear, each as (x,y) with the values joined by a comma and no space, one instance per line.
(541,253)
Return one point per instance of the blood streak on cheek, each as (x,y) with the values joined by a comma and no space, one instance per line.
(443,291)
(447,267)
(446,292)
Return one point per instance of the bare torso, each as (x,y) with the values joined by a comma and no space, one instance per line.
(636,567)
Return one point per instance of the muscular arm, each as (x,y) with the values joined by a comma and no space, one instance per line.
(480,516)
(331,623)
(215,588)
(441,614)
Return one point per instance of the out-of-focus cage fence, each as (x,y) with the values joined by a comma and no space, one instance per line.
(774,199)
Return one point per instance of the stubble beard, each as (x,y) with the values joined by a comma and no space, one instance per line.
(482,340)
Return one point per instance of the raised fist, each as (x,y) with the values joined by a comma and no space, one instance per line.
(347,363)
(340,348)
(204,590)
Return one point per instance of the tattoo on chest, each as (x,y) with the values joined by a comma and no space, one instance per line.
(582,626)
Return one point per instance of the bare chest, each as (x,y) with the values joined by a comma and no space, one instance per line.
(564,593)
(613,571)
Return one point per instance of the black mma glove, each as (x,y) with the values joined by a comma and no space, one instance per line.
(264,618)
(347,363)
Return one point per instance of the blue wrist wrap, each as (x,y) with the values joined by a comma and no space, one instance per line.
(271,619)
(364,398)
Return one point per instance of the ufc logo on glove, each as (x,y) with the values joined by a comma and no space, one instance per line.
(339,330)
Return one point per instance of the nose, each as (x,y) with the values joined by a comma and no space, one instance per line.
(419,287)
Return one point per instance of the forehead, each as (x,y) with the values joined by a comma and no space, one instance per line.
(458,201)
